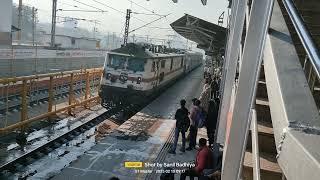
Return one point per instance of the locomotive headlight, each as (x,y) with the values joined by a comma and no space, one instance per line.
(139,80)
(108,76)
(123,78)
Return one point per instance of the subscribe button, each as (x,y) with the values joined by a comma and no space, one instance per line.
(133,164)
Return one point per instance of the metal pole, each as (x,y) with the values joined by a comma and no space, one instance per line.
(53,22)
(133,36)
(87,86)
(245,96)
(24,101)
(229,67)
(255,146)
(71,92)
(19,20)
(50,101)
(108,41)
(304,35)
(126,32)
(94,28)
(33,24)
(113,46)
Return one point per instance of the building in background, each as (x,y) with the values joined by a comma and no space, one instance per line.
(70,42)
(70,23)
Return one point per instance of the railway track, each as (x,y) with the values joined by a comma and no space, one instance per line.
(42,150)
(113,114)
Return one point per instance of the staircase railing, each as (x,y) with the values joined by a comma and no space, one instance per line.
(304,35)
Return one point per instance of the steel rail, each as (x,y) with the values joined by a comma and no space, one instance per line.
(304,35)
(57,141)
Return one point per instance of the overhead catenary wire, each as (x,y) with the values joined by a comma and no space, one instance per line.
(149,23)
(76,10)
(109,6)
(122,12)
(153,14)
(63,3)
(154,27)
(141,6)
(88,5)
(80,19)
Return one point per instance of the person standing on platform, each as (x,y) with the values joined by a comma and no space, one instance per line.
(211,120)
(206,72)
(214,88)
(182,125)
(194,115)
(205,95)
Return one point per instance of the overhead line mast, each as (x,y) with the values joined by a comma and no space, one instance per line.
(126,31)
(53,23)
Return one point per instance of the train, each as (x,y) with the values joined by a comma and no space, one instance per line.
(135,72)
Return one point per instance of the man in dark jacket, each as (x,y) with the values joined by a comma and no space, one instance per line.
(211,120)
(182,125)
(214,88)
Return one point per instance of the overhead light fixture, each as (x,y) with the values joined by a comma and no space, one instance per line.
(175,1)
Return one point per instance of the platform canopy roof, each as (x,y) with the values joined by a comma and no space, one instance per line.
(209,37)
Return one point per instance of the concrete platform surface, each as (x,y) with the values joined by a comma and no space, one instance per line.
(141,138)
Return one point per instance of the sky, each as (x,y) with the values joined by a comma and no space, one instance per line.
(114,21)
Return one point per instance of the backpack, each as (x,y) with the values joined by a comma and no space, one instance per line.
(201,118)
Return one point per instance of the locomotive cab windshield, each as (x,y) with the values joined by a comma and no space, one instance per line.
(121,62)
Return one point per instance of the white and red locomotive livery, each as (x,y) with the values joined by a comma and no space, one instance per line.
(133,73)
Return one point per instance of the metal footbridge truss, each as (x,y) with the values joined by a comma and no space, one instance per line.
(269,116)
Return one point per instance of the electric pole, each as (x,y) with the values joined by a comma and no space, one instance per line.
(19,20)
(108,41)
(126,32)
(53,22)
(34,23)
(133,38)
(113,45)
(95,28)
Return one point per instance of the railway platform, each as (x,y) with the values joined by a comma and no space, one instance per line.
(145,137)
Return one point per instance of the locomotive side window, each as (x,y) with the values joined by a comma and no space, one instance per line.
(171,64)
(136,64)
(181,64)
(109,61)
(153,68)
(163,63)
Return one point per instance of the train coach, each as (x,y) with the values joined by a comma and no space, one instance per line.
(134,72)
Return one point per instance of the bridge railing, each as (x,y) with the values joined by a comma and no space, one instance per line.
(27,99)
